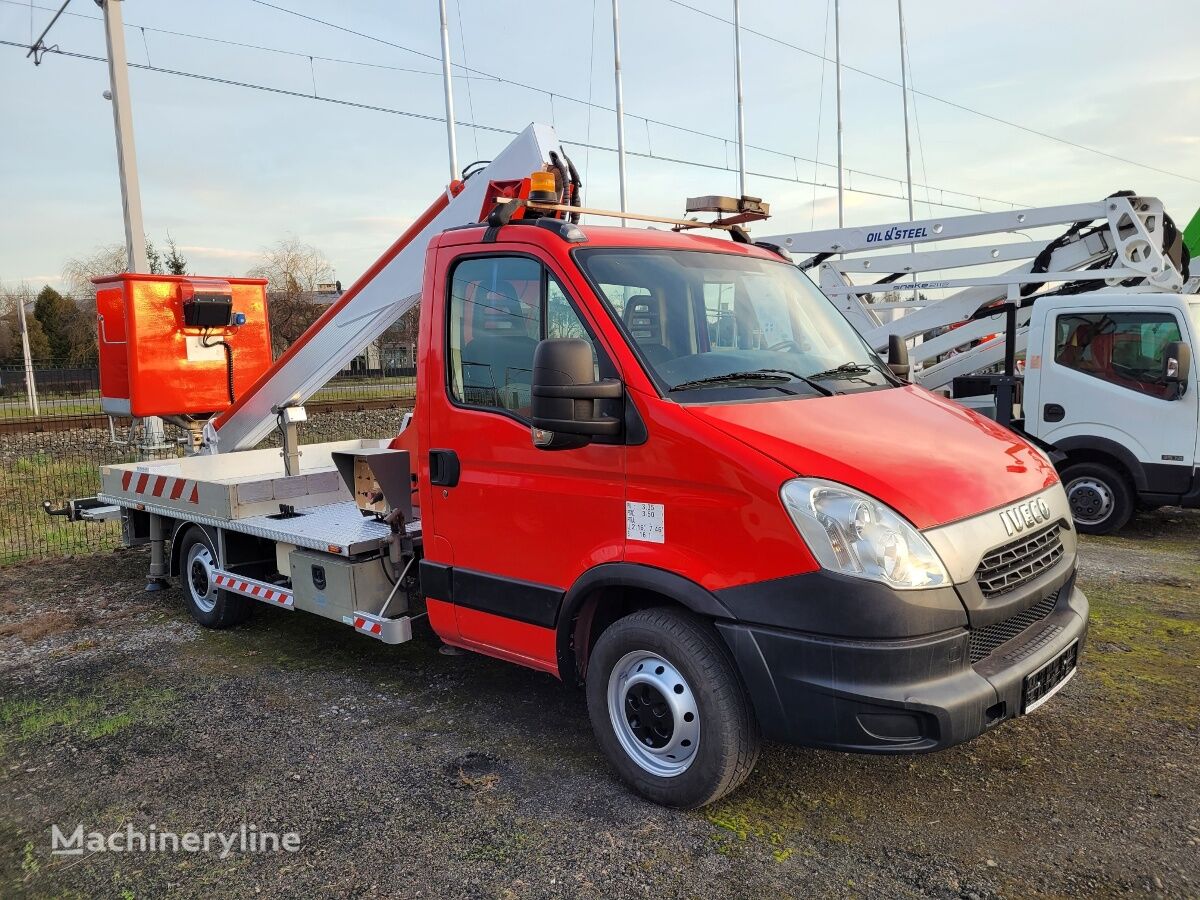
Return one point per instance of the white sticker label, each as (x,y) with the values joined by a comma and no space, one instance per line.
(645,522)
(198,352)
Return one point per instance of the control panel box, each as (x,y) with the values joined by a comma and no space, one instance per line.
(175,345)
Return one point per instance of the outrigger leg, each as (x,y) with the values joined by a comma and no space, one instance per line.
(157,579)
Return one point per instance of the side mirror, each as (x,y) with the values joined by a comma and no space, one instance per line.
(1177,366)
(564,395)
(898,355)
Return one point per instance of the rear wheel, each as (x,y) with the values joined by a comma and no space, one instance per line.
(209,606)
(1101,499)
(669,710)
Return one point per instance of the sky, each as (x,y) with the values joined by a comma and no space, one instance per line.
(227,170)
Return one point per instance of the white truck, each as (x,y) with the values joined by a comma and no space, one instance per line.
(1092,334)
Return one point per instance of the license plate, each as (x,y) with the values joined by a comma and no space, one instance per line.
(1043,684)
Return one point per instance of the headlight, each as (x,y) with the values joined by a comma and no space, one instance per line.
(854,534)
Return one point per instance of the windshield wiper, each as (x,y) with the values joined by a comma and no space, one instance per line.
(774,375)
(845,370)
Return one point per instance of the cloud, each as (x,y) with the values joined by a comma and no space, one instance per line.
(220,252)
(394,223)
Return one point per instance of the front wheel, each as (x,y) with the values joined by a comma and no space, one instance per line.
(1100,498)
(669,710)
(208,605)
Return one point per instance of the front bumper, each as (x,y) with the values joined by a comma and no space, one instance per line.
(903,695)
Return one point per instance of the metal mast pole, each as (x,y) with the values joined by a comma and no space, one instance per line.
(616,17)
(907,142)
(153,437)
(837,66)
(904,95)
(131,195)
(741,117)
(446,78)
(30,384)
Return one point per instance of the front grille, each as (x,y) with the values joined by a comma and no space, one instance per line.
(1010,566)
(987,639)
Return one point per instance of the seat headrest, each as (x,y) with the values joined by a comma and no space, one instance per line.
(643,317)
(497,309)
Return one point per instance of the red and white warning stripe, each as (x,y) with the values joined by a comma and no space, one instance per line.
(367,626)
(258,590)
(390,631)
(165,487)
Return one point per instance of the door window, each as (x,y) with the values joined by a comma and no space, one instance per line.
(500,307)
(1125,348)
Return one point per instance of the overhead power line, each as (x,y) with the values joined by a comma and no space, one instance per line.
(552,94)
(232,43)
(354,104)
(490,76)
(959,106)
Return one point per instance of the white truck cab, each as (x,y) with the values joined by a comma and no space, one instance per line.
(1095,389)
(1104,317)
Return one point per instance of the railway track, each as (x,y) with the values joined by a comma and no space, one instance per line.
(72,421)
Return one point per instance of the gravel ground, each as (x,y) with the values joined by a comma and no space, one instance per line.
(407,772)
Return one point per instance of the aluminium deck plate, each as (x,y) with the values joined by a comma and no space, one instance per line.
(337,528)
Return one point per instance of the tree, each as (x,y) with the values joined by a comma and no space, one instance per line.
(176,264)
(78,273)
(153,258)
(398,343)
(293,270)
(11,351)
(57,315)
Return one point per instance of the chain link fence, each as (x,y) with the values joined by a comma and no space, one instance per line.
(54,453)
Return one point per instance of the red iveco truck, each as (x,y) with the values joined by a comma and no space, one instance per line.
(662,465)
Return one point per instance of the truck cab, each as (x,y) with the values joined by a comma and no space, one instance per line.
(665,465)
(1091,354)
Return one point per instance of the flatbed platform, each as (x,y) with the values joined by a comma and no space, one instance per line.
(246,492)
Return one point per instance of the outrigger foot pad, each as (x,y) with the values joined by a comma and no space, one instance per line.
(156,584)
(447,650)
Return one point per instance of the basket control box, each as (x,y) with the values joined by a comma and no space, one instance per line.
(178,345)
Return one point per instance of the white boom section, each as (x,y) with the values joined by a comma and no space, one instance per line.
(1130,226)
(388,290)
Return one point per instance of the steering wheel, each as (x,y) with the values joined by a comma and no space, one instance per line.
(786,345)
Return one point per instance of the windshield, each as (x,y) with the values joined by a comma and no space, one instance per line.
(726,326)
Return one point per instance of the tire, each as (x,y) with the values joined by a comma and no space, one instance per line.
(1100,497)
(669,665)
(209,606)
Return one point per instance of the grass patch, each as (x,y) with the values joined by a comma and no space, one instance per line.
(88,717)
(1144,648)
(26,532)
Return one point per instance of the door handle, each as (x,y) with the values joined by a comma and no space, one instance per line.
(444,468)
(1053,412)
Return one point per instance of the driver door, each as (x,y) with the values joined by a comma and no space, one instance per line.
(1098,361)
(511,526)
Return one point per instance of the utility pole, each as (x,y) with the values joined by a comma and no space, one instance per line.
(153,436)
(30,384)
(131,194)
(616,17)
(837,67)
(447,80)
(741,117)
